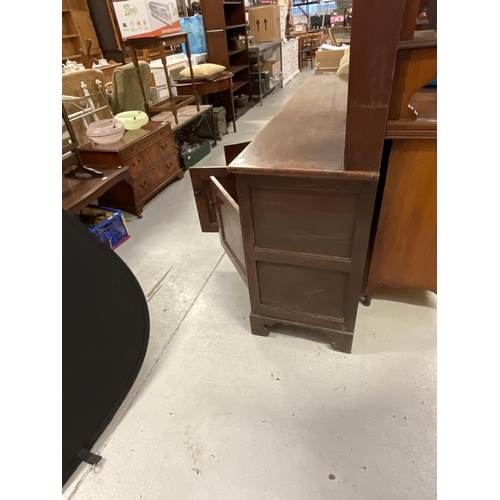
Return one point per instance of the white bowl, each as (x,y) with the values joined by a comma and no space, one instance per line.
(132,120)
(105,131)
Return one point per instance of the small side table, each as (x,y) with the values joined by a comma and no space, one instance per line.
(221,84)
(171,103)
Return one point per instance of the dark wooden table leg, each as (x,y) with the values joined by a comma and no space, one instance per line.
(188,53)
(232,105)
(212,119)
(133,55)
(163,58)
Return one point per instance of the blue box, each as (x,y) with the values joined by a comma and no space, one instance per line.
(196,36)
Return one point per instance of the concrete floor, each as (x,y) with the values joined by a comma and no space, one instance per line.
(217,413)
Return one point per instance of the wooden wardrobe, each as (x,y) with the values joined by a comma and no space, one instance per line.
(403,250)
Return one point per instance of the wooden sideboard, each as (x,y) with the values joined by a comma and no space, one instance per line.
(292,221)
(149,153)
(294,209)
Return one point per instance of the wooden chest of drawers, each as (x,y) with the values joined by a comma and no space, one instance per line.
(151,157)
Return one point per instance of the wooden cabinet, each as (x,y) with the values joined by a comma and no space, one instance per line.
(405,246)
(404,250)
(294,224)
(290,59)
(151,157)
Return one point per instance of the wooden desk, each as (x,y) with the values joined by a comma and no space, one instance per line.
(292,221)
(221,84)
(77,193)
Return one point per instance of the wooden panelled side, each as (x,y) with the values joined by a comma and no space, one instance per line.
(405,249)
(305,245)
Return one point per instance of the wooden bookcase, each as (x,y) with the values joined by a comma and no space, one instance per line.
(223,20)
(77,28)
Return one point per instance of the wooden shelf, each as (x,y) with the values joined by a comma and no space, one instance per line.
(237,68)
(77,28)
(421,40)
(238,85)
(234,26)
(237,51)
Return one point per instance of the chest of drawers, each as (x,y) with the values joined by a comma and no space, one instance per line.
(151,157)
(290,59)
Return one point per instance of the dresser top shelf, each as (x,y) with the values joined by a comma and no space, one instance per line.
(129,137)
(306,136)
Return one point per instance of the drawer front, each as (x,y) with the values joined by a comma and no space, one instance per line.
(148,140)
(142,161)
(286,68)
(149,181)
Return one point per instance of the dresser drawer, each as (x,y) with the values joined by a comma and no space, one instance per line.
(140,139)
(158,173)
(141,161)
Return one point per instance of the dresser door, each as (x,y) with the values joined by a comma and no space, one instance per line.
(204,196)
(202,187)
(228,219)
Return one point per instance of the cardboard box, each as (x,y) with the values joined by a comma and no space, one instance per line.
(147,18)
(265,23)
(274,67)
(328,58)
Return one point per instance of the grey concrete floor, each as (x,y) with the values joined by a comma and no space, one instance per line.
(217,413)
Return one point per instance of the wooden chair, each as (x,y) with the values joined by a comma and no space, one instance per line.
(306,49)
(333,41)
(309,43)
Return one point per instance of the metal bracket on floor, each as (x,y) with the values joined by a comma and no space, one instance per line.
(88,457)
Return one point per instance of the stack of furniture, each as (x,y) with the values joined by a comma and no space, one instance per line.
(223,21)
(77,28)
(294,216)
(170,103)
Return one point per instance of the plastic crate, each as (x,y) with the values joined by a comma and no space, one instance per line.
(113,230)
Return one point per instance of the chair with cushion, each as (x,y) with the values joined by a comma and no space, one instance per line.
(126,94)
